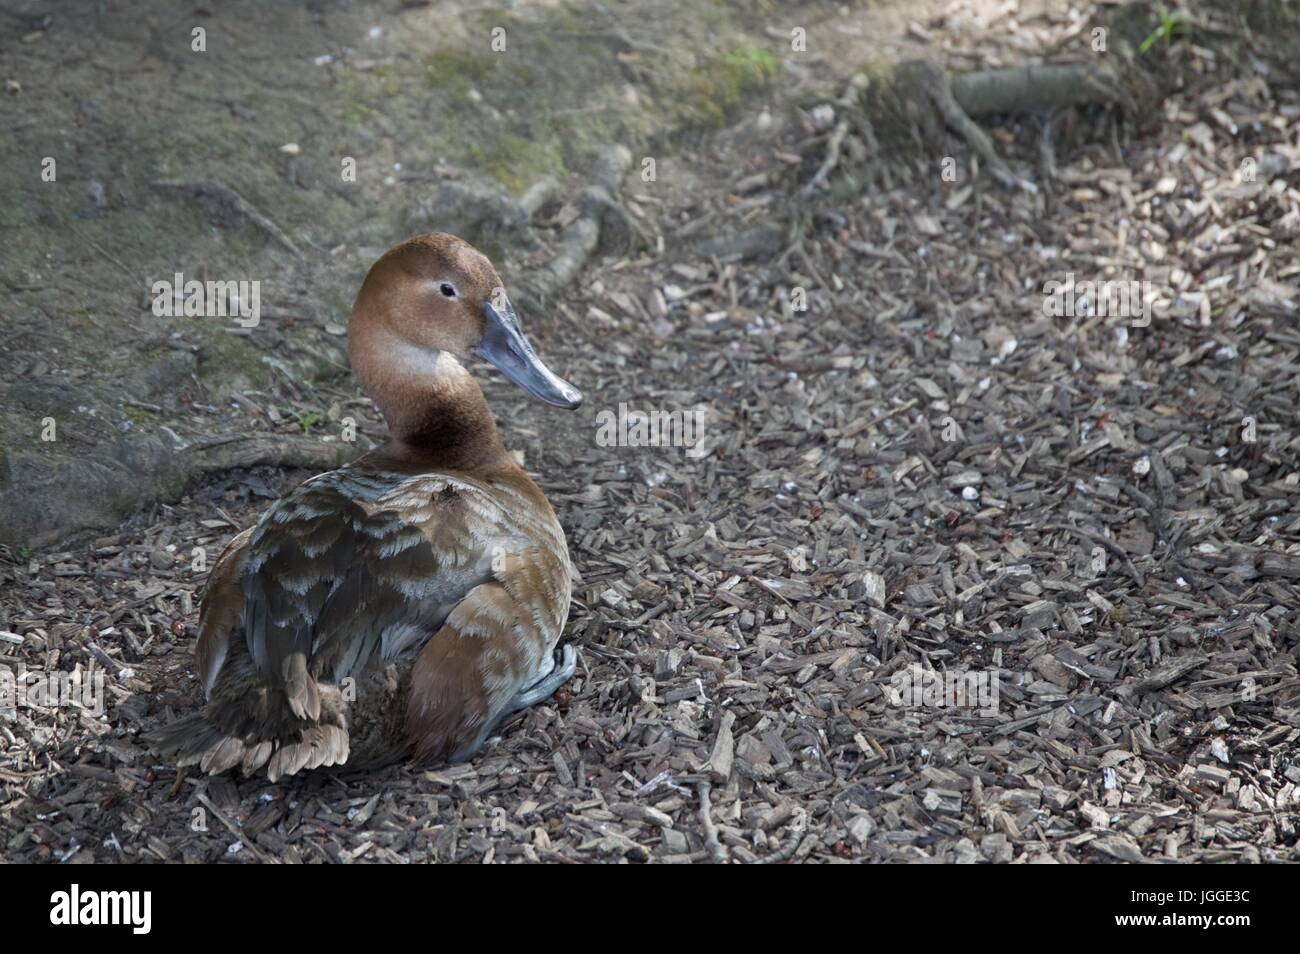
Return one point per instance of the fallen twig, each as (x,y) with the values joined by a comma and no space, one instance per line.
(234,829)
(1110,545)
(716,851)
(232,200)
(940,90)
(598,209)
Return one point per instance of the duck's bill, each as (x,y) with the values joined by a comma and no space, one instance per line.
(504,346)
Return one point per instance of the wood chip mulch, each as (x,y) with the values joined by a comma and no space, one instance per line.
(922,469)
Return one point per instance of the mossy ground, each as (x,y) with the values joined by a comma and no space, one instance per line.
(120,99)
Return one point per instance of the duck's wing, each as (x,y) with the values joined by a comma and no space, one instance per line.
(492,656)
(351,567)
(220,610)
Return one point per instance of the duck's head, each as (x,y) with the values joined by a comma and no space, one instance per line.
(431,300)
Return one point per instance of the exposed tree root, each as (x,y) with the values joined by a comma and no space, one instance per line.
(233,202)
(103,488)
(939,89)
(492,220)
(1036,88)
(908,106)
(600,215)
(251,450)
(918,97)
(832,160)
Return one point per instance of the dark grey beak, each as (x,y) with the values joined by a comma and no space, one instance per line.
(504,346)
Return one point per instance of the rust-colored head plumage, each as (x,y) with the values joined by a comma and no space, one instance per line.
(426,303)
(427,292)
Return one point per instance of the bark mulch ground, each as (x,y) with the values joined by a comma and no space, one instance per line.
(923,471)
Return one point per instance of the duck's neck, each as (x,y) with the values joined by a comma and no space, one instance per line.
(436,413)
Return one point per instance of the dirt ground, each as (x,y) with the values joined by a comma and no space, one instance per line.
(137,120)
(924,471)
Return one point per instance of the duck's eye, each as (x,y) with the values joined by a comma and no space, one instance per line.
(448,290)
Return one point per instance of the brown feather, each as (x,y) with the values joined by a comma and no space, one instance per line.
(300,688)
(256,756)
(225,755)
(220,610)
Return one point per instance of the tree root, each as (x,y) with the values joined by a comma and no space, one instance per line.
(44,501)
(939,89)
(250,450)
(600,214)
(486,216)
(230,200)
(917,98)
(536,196)
(833,149)
(1039,88)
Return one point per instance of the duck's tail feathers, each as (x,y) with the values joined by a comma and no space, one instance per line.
(196,741)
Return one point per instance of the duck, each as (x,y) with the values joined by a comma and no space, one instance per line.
(406,604)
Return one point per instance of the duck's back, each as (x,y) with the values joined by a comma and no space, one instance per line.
(375,611)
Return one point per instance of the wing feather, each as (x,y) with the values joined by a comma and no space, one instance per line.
(465,580)
(220,610)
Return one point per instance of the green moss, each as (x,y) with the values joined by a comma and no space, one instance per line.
(517,162)
(707,95)
(227,358)
(390,82)
(137,416)
(356,114)
(582,107)
(456,71)
(358,93)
